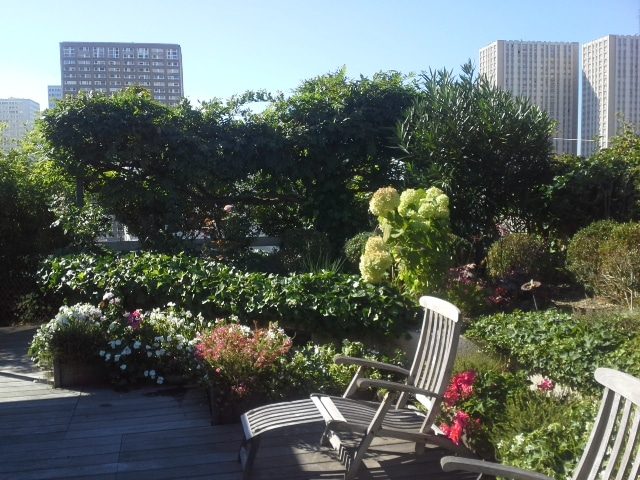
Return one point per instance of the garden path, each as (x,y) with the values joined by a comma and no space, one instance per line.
(154,433)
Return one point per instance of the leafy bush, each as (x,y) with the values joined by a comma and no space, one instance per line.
(520,254)
(605,257)
(325,303)
(583,258)
(543,433)
(552,343)
(354,247)
(416,239)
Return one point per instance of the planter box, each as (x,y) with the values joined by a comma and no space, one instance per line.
(230,410)
(77,374)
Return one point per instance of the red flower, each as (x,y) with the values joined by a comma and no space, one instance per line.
(457,429)
(460,388)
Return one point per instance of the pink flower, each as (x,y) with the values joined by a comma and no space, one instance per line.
(135,319)
(460,388)
(546,385)
(455,431)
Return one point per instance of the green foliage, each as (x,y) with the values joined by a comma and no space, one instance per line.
(326,303)
(605,186)
(489,151)
(583,259)
(354,247)
(82,225)
(520,254)
(543,433)
(552,343)
(312,369)
(415,239)
(24,225)
(605,258)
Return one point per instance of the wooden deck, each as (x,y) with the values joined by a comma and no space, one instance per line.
(155,433)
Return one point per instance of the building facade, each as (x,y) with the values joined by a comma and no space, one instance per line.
(547,73)
(54,93)
(17,116)
(610,89)
(110,67)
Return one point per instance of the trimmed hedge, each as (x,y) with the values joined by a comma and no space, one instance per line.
(326,303)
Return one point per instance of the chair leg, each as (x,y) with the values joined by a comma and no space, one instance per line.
(324,439)
(420,448)
(354,465)
(247,455)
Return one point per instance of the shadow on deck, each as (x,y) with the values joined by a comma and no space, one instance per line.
(156,433)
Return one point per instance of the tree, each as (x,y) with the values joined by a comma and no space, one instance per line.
(490,152)
(340,134)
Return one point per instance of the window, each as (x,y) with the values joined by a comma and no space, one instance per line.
(69,62)
(98,52)
(127,52)
(68,51)
(172,54)
(113,52)
(84,52)
(143,53)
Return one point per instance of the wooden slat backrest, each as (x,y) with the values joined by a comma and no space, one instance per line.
(613,448)
(435,353)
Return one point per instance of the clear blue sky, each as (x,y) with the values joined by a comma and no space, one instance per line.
(229,46)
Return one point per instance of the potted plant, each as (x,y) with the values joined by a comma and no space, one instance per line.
(69,345)
(238,363)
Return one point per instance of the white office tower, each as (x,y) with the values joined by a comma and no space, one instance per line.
(17,117)
(546,73)
(610,89)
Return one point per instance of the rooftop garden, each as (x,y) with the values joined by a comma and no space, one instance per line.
(379,190)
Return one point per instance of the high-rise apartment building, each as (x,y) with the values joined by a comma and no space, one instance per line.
(109,67)
(610,88)
(17,116)
(54,94)
(546,73)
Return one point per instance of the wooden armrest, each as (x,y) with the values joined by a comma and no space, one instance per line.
(397,387)
(489,468)
(363,362)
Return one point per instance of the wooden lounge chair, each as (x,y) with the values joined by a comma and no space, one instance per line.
(613,449)
(351,424)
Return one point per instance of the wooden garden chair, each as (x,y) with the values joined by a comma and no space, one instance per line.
(348,418)
(613,448)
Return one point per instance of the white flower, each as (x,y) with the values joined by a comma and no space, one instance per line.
(146,373)
(116,358)
(171,304)
(149,354)
(107,357)
(126,351)
(160,352)
(152,373)
(136,344)
(108,296)
(160,380)
(123,367)
(102,352)
(118,342)
(112,344)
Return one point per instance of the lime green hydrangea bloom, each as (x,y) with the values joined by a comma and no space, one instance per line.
(410,202)
(385,200)
(434,205)
(375,244)
(374,264)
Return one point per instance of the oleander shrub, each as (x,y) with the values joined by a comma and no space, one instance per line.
(326,303)
(519,254)
(558,345)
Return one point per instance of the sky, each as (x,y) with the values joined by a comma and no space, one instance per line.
(230,46)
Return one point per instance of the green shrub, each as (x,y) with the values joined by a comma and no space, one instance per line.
(354,247)
(552,343)
(543,433)
(619,275)
(325,303)
(605,258)
(583,258)
(520,254)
